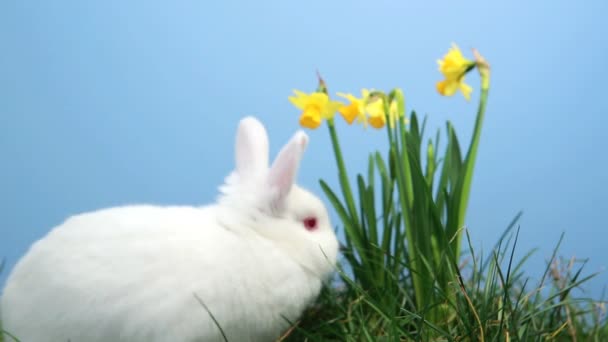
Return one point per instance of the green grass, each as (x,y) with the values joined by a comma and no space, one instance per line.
(495,301)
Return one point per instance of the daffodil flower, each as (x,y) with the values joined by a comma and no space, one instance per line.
(377,118)
(356,107)
(377,115)
(454,66)
(315,107)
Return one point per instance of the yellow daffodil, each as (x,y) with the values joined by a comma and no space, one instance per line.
(376,119)
(454,66)
(368,109)
(315,107)
(377,116)
(355,109)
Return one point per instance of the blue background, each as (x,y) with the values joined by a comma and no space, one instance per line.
(116,102)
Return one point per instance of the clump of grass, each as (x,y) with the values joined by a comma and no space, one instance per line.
(495,301)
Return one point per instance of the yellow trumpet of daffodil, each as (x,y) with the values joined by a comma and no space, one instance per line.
(377,119)
(355,109)
(315,107)
(454,66)
(377,115)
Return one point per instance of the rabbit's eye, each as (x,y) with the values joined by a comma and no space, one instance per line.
(310,223)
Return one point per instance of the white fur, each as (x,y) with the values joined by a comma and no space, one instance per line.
(131,273)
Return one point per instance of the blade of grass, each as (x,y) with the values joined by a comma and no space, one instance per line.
(212,316)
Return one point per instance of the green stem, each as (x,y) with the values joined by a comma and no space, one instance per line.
(342,174)
(470,163)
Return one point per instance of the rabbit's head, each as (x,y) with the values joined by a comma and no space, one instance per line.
(268,203)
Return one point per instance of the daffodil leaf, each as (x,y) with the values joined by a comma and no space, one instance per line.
(414,123)
(364,219)
(399,239)
(351,229)
(387,185)
(392,167)
(370,170)
(414,134)
(422,128)
(387,202)
(430,164)
(369,215)
(437,160)
(372,216)
(451,168)
(455,184)
(420,208)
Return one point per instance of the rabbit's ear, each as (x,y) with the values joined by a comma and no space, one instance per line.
(251,150)
(283,172)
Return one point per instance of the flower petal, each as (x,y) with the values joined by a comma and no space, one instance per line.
(300,99)
(349,112)
(466,90)
(447,87)
(330,108)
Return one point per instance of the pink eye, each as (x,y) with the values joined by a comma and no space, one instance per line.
(310,223)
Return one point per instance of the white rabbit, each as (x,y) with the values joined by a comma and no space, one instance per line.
(254,260)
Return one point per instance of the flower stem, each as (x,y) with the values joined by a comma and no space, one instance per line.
(342,174)
(469,162)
